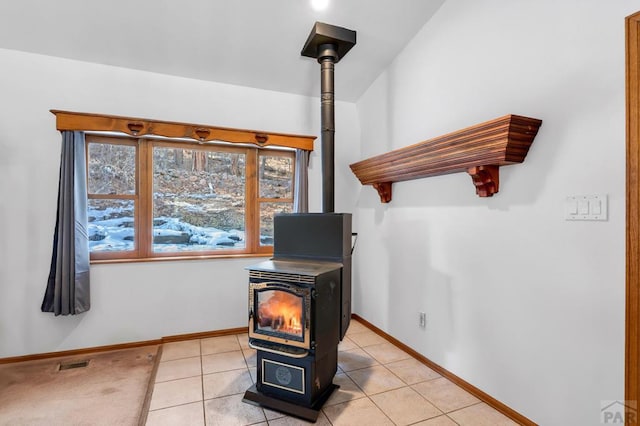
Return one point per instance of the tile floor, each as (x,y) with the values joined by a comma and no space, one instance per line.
(202,382)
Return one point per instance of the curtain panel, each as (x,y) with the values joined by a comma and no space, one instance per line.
(67,291)
(301,182)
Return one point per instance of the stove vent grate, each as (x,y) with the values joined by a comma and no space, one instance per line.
(278,276)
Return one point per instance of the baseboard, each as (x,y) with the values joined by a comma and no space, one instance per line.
(484,397)
(75,352)
(120,346)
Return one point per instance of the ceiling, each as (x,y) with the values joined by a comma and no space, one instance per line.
(253,43)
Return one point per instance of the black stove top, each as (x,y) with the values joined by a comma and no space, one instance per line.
(296,266)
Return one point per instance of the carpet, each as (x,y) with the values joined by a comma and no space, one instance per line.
(109,390)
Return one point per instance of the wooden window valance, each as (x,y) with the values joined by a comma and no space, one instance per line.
(66,120)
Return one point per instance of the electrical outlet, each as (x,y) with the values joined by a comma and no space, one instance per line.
(423,319)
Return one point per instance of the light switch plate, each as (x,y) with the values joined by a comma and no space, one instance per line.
(586,207)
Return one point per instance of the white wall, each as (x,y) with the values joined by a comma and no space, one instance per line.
(520,303)
(130,302)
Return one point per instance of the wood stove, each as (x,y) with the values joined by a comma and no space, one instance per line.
(300,301)
(296,321)
(294,311)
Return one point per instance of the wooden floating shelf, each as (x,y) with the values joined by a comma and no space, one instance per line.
(479,150)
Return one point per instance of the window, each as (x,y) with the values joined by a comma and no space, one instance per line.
(275,195)
(112,194)
(158,198)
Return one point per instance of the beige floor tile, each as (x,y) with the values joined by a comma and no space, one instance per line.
(412,371)
(253,372)
(292,421)
(226,383)
(184,415)
(357,412)
(437,421)
(348,390)
(223,362)
(176,392)
(178,369)
(366,338)
(272,414)
(445,395)
(385,353)
(481,415)
(355,359)
(375,379)
(405,406)
(231,411)
(346,344)
(177,350)
(250,356)
(243,339)
(216,345)
(356,327)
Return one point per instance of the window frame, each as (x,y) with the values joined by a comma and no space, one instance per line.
(143,197)
(119,255)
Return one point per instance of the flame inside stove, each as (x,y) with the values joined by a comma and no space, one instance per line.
(280,311)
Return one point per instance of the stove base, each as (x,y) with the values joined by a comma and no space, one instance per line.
(253,396)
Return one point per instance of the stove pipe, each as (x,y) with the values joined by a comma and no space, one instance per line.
(327,56)
(328,44)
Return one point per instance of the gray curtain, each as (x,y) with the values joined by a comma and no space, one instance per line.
(67,290)
(301,184)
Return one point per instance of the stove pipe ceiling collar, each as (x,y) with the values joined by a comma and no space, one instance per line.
(328,44)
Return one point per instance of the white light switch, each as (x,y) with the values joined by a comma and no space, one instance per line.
(586,207)
(583,207)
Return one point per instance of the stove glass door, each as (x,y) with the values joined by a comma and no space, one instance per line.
(280,312)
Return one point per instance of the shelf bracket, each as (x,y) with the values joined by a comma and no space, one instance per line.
(486,179)
(384,190)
